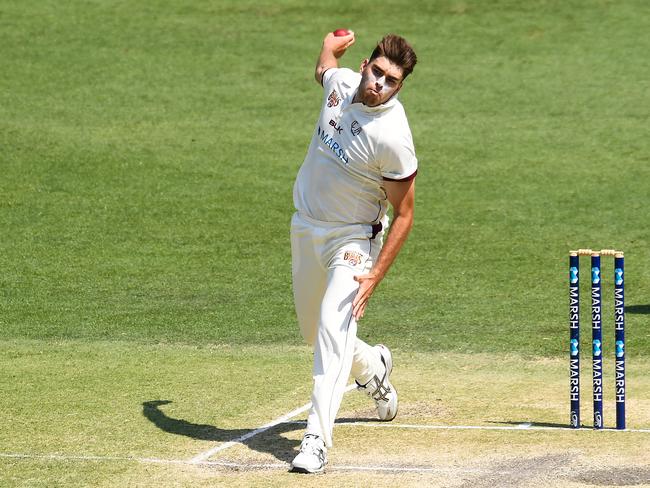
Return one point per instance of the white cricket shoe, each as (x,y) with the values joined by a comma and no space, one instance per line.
(312,457)
(381,390)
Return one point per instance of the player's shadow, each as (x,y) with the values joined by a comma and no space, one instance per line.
(638,309)
(270,441)
(531,424)
(356,420)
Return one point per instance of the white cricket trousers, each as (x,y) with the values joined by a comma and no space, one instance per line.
(325,258)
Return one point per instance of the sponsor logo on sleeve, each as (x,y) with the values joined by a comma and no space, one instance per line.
(333,100)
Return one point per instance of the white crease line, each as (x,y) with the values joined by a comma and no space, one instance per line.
(403,469)
(449,427)
(525,427)
(242,466)
(280,420)
(395,469)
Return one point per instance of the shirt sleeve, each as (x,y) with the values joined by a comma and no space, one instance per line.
(328,77)
(398,161)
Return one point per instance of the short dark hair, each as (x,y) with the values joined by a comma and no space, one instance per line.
(398,51)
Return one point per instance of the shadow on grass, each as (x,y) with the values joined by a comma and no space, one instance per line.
(355,420)
(638,309)
(270,441)
(532,424)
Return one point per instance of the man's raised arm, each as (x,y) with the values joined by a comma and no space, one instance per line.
(333,48)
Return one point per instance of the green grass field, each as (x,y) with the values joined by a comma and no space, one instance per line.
(148,152)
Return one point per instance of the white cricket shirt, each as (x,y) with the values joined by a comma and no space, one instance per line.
(354,149)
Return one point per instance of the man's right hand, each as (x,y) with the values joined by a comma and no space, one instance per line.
(333,48)
(337,45)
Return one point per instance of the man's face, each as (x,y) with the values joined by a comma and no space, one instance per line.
(380,80)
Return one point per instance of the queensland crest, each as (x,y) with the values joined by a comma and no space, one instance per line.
(333,100)
(352,257)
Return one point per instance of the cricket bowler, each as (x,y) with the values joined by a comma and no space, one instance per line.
(361,160)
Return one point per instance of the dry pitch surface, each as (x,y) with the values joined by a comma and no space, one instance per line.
(103,415)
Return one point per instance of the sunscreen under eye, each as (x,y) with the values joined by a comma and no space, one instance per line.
(378,79)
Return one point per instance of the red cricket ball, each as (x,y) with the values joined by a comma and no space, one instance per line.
(342,32)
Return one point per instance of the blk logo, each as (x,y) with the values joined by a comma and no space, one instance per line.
(337,127)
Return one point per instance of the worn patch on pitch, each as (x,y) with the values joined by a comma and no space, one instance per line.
(619,476)
(521,471)
(423,409)
(406,411)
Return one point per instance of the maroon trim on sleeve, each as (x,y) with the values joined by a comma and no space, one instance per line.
(408,178)
(322,77)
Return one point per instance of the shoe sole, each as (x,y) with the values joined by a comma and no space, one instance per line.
(295,469)
(388,360)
